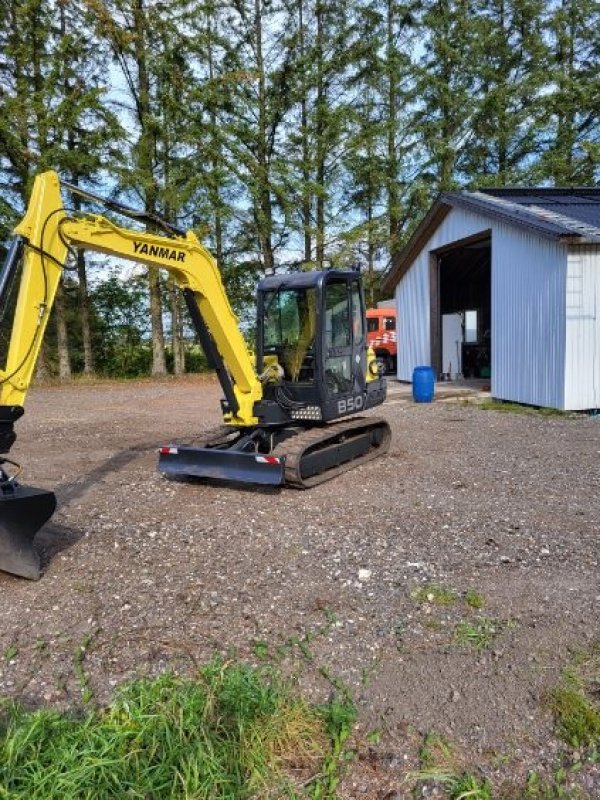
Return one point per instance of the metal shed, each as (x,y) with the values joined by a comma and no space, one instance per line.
(505,284)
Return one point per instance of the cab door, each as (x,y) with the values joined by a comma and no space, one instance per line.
(344,346)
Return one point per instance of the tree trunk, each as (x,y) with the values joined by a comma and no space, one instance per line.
(320,143)
(84,305)
(83,292)
(392,124)
(177,331)
(145,162)
(306,193)
(41,367)
(64,361)
(263,201)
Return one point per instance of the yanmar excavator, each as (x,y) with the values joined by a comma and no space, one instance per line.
(281,408)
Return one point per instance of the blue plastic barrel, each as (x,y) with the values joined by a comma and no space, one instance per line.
(423,384)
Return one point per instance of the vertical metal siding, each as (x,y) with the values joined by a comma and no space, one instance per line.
(528,317)
(528,309)
(582,364)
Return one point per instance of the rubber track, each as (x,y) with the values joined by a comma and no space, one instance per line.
(295,447)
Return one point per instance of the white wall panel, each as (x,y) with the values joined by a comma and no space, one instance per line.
(582,372)
(528,317)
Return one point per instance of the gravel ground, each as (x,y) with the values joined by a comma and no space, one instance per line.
(146,575)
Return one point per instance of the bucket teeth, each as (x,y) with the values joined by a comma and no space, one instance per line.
(23,511)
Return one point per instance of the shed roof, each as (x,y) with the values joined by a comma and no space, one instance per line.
(571,215)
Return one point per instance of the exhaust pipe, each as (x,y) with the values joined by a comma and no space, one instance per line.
(23,511)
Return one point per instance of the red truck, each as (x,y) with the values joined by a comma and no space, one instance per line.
(381,335)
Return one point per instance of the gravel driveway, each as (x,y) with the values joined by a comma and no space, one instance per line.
(499,510)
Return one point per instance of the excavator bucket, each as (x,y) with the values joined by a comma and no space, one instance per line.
(23,511)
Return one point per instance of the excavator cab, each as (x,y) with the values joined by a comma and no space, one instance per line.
(311,330)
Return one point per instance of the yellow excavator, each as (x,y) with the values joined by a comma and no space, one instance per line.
(285,409)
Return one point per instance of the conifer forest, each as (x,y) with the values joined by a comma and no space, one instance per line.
(283,132)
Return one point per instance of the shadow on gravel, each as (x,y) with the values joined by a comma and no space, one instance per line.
(52,540)
(254,488)
(73,490)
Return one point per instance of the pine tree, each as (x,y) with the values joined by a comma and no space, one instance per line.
(445,88)
(51,109)
(572,110)
(509,51)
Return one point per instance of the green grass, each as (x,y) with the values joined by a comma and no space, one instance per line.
(434,594)
(478,633)
(474,599)
(555,787)
(235,732)
(458,786)
(517,408)
(11,652)
(441,766)
(575,703)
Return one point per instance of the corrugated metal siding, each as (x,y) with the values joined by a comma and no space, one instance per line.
(582,367)
(528,317)
(528,309)
(412,323)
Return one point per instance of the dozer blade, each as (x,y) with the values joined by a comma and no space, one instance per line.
(23,511)
(234,466)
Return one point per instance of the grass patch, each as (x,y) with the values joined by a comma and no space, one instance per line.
(441,767)
(577,721)
(478,633)
(234,733)
(457,786)
(434,594)
(575,702)
(556,787)
(474,599)
(516,408)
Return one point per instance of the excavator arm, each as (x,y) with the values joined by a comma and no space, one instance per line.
(41,245)
(44,236)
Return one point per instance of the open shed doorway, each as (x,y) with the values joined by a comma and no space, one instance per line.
(461,309)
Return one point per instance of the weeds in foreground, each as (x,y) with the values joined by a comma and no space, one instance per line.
(575,703)
(434,594)
(478,633)
(517,408)
(234,733)
(474,599)
(457,786)
(556,787)
(441,767)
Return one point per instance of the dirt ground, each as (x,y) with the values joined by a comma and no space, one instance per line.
(142,574)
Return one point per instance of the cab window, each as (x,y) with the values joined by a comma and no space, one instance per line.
(358,318)
(373,324)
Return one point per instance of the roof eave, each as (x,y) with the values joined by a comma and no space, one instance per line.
(422,234)
(521,218)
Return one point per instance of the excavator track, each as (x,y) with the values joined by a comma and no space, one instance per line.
(304,457)
(316,455)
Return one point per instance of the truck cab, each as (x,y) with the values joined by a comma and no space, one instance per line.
(381,336)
